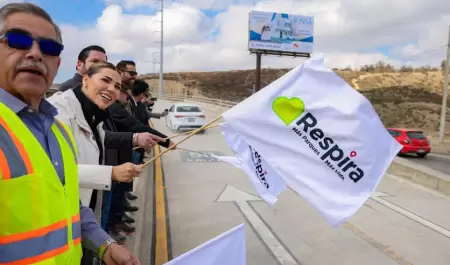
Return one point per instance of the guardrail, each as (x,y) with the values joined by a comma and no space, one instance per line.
(213,101)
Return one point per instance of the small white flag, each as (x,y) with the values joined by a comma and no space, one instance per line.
(226,249)
(320,135)
(265,180)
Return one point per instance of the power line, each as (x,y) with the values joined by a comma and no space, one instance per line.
(404,58)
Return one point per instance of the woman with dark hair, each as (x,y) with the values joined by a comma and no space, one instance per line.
(84,110)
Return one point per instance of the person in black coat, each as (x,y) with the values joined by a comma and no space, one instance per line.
(139,92)
(122,113)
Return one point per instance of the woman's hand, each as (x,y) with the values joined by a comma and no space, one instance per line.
(125,172)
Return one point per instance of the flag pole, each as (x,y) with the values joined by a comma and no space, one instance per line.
(176,135)
(187,137)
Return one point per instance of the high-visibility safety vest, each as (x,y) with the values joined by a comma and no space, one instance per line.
(39,216)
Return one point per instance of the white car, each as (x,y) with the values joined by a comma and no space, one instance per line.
(185,117)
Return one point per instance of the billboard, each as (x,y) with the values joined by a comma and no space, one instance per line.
(269,31)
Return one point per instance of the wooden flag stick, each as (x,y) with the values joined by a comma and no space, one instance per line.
(176,135)
(184,149)
(187,137)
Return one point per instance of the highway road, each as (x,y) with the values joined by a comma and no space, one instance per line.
(402,224)
(435,161)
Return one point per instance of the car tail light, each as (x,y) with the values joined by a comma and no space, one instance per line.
(201,116)
(406,141)
(179,116)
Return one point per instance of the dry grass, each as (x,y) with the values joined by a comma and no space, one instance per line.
(430,81)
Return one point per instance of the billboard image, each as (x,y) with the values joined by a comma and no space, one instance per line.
(280,32)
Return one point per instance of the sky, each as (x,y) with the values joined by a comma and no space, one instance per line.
(207,35)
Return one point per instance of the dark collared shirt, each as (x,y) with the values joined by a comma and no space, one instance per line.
(40,123)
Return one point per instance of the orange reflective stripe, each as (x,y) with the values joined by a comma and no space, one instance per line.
(41,257)
(4,167)
(76,229)
(32,234)
(75,218)
(19,146)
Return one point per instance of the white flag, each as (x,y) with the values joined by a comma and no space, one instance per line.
(226,249)
(320,135)
(265,180)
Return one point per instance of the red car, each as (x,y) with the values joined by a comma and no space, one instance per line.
(413,141)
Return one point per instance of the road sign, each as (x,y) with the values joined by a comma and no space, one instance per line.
(200,157)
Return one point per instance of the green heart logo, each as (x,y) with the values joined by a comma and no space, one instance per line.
(288,109)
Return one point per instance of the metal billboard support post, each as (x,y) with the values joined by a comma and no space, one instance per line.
(259,54)
(445,93)
(258,72)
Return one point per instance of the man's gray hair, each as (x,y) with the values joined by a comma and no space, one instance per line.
(9,9)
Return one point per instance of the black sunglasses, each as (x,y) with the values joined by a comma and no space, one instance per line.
(132,73)
(22,40)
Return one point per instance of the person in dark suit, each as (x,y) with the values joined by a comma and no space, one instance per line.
(139,91)
(88,56)
(123,113)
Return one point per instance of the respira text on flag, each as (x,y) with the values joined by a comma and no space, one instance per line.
(318,134)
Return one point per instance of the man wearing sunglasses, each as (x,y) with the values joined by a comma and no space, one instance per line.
(125,120)
(87,57)
(42,219)
(127,69)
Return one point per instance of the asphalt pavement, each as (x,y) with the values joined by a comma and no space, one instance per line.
(403,223)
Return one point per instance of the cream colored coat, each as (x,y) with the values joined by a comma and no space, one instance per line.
(91,174)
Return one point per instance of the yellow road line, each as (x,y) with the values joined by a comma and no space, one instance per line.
(161,250)
(161,247)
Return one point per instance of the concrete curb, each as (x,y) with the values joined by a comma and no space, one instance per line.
(420,174)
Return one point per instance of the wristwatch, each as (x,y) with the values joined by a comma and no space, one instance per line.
(135,135)
(104,247)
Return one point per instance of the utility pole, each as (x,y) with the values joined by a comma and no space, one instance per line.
(161,54)
(445,93)
(161,50)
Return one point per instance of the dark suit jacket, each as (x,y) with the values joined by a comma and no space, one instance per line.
(75,80)
(124,122)
(141,113)
(117,141)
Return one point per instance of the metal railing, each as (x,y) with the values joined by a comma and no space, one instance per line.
(219,102)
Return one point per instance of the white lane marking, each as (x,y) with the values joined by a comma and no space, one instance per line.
(241,198)
(377,196)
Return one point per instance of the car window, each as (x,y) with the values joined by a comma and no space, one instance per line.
(171,109)
(394,133)
(188,109)
(415,135)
